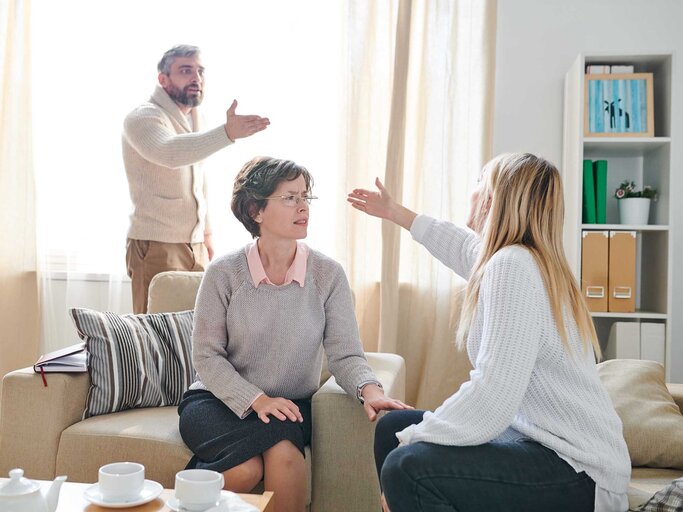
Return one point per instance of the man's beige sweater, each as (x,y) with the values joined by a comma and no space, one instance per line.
(161,154)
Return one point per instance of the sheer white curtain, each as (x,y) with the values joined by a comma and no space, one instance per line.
(419,94)
(18,282)
(278,59)
(354,89)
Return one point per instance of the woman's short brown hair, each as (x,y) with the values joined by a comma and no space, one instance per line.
(256,181)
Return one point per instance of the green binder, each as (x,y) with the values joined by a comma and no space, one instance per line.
(600,173)
(588,193)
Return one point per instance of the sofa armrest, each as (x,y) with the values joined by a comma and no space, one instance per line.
(32,418)
(676,391)
(391,372)
(343,466)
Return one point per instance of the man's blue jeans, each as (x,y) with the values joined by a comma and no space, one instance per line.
(510,473)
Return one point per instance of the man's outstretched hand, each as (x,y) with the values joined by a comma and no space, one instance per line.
(239,126)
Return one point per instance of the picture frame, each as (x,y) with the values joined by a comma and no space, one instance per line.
(619,105)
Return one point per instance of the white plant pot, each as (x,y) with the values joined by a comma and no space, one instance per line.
(634,210)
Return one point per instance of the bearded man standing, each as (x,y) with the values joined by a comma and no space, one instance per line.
(163,146)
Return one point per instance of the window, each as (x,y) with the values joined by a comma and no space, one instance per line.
(89,74)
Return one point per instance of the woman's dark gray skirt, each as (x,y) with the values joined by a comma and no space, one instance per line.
(220,440)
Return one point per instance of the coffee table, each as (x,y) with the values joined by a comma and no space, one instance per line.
(71,499)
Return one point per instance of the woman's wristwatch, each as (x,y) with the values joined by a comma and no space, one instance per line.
(360,387)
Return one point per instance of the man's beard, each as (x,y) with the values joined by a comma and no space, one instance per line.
(183,97)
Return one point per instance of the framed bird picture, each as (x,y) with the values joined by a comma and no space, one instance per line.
(619,105)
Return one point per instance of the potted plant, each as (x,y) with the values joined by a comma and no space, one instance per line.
(634,205)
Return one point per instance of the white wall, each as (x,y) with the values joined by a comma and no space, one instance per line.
(538,40)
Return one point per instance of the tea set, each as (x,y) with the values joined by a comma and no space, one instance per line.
(123,485)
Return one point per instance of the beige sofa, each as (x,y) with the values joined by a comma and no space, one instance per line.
(42,432)
(41,428)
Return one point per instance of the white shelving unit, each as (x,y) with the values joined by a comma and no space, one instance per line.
(644,160)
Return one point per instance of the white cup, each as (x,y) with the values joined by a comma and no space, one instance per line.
(121,481)
(198,489)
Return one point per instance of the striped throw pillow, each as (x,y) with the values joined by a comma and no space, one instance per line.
(135,360)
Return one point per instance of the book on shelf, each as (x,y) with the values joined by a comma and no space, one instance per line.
(588,193)
(624,341)
(600,176)
(597,69)
(621,69)
(69,359)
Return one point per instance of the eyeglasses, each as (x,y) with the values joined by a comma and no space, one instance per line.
(292,200)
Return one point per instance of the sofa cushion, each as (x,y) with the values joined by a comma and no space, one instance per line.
(653,424)
(135,360)
(149,436)
(173,290)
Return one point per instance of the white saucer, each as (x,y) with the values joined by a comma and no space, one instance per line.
(150,491)
(174,504)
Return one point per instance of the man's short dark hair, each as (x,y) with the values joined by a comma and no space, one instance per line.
(256,181)
(181,50)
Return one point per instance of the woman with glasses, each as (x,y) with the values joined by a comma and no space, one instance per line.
(533,429)
(265,317)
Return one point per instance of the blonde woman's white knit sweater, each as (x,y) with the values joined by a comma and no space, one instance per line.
(523,376)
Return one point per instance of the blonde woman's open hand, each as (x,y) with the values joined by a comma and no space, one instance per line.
(377,204)
(381,204)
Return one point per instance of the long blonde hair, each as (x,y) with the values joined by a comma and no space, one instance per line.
(527,209)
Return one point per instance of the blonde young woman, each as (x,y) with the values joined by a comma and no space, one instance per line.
(533,429)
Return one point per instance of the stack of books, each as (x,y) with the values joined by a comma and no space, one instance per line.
(605,69)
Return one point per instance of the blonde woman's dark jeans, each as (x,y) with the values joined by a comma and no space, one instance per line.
(511,473)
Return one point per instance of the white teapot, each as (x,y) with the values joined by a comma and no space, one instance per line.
(23,495)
